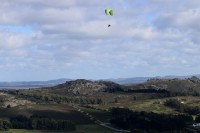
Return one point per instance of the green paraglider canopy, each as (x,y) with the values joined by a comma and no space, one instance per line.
(109,11)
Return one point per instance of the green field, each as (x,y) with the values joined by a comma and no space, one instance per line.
(55,111)
(90,128)
(58,111)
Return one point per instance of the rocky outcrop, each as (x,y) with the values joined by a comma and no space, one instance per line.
(82,86)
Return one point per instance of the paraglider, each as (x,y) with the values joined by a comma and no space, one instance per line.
(109,11)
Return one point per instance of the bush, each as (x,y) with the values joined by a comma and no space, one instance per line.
(41,123)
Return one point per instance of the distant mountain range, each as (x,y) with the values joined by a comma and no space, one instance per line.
(83,87)
(133,80)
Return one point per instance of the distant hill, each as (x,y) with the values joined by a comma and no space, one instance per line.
(180,86)
(27,84)
(130,80)
(84,87)
(135,80)
(197,75)
(185,86)
(87,91)
(122,81)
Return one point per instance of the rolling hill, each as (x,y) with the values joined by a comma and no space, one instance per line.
(181,86)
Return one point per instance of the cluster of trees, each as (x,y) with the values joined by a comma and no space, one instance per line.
(149,90)
(183,108)
(56,98)
(131,120)
(37,123)
(4,125)
(40,123)
(21,122)
(197,119)
(83,101)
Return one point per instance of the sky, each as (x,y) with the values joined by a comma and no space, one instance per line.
(43,40)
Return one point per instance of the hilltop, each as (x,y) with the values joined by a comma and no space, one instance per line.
(84,87)
(185,86)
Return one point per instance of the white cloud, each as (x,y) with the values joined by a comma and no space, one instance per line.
(186,20)
(13,44)
(70,38)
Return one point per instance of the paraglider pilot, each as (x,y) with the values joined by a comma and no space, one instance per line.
(109,11)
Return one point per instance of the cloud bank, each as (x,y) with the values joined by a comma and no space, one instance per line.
(41,40)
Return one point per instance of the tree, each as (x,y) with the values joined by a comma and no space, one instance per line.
(4,125)
(17,91)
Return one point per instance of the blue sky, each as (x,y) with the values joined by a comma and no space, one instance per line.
(42,40)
